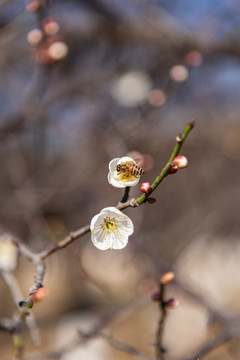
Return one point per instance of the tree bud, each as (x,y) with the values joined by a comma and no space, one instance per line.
(167,278)
(180,161)
(172,170)
(50,26)
(40,294)
(35,36)
(145,187)
(173,303)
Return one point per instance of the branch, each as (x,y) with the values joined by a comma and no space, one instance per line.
(119,345)
(180,140)
(74,235)
(38,259)
(212,344)
(10,324)
(160,350)
(15,325)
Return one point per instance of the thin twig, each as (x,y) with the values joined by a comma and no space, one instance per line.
(160,350)
(129,349)
(74,235)
(17,295)
(179,142)
(220,339)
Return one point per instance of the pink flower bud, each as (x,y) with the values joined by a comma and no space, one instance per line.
(172,303)
(194,58)
(52,50)
(172,170)
(145,187)
(50,25)
(167,278)
(180,161)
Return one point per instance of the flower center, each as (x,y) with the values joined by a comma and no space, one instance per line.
(109,223)
(125,177)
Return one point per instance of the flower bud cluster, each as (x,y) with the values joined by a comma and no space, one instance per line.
(48,46)
(159,297)
(179,162)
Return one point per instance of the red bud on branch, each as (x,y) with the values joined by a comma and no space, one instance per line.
(167,278)
(180,161)
(145,187)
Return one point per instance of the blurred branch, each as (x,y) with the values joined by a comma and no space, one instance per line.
(102,8)
(160,350)
(94,333)
(10,324)
(122,346)
(13,286)
(158,28)
(231,325)
(15,326)
(74,235)
(212,344)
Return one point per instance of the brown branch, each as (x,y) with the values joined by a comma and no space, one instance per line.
(212,344)
(120,345)
(35,259)
(10,324)
(160,350)
(14,288)
(74,235)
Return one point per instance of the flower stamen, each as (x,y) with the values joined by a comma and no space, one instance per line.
(109,223)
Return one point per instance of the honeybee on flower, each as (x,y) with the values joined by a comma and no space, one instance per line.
(124,172)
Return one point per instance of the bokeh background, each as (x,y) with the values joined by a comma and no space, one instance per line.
(133,73)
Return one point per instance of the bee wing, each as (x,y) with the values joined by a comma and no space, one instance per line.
(138,160)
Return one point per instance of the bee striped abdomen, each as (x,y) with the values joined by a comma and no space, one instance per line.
(136,170)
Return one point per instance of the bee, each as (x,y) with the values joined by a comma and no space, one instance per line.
(129,168)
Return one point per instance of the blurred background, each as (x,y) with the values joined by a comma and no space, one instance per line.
(83,82)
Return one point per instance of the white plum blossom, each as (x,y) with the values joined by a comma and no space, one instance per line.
(8,254)
(122,178)
(110,229)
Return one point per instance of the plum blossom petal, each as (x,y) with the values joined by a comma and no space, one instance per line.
(110,229)
(121,179)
